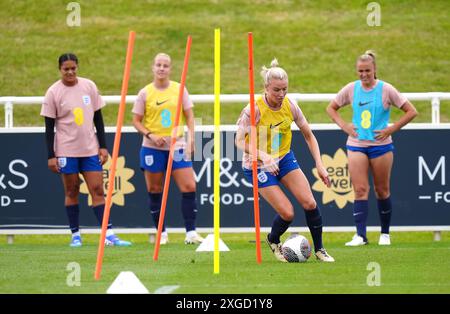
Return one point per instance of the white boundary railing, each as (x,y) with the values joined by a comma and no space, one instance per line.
(10,233)
(434,97)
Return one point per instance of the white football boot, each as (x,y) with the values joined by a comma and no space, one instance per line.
(192,237)
(323,256)
(356,241)
(276,250)
(385,239)
(164,238)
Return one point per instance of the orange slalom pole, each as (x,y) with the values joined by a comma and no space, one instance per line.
(172,149)
(112,171)
(253,149)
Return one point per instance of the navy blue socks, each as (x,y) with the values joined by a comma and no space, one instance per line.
(385,210)
(360,212)
(155,207)
(279,226)
(314,222)
(73,213)
(98,212)
(189,209)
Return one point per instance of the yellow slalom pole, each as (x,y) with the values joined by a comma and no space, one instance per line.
(217,148)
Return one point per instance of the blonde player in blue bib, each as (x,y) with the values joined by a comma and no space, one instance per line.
(154,113)
(369,144)
(277,164)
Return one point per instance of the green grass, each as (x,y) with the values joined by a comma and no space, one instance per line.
(413,264)
(317,42)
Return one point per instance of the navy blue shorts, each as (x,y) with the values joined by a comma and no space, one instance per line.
(155,160)
(373,151)
(70,165)
(286,165)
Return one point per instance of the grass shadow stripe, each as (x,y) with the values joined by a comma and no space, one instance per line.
(166,289)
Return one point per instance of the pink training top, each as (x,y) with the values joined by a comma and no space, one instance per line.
(390,97)
(73,109)
(139,108)
(245,123)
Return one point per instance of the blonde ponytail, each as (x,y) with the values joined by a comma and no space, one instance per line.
(274,72)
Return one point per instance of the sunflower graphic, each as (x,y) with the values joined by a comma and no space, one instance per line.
(341,190)
(121,184)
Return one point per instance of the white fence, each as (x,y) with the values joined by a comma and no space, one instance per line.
(10,233)
(434,97)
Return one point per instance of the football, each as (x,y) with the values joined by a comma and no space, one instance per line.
(296,249)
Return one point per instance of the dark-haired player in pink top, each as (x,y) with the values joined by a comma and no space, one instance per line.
(73,105)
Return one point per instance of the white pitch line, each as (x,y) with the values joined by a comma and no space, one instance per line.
(166,289)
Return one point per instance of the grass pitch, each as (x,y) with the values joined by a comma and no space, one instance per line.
(413,264)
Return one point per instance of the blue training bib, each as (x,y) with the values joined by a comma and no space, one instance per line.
(368,111)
